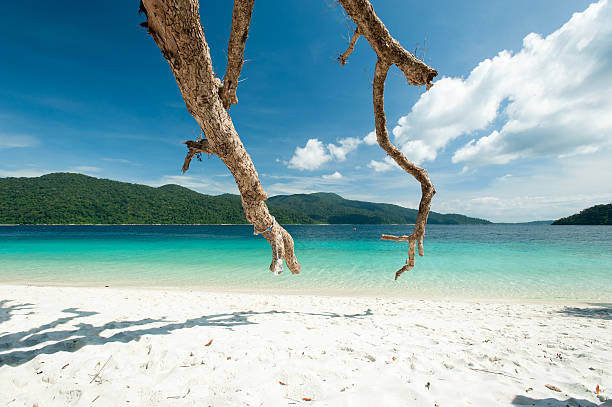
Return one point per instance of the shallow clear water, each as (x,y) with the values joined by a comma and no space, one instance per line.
(462,261)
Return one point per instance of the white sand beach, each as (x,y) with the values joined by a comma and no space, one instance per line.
(107,347)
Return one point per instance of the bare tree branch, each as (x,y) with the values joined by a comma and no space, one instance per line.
(195,147)
(342,58)
(389,53)
(386,47)
(241,20)
(175,27)
(427,188)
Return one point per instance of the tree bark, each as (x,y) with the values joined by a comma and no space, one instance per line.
(417,72)
(175,27)
(241,20)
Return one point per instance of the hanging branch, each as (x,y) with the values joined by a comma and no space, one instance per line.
(175,26)
(389,53)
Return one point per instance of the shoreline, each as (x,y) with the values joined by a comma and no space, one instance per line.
(67,346)
(300,292)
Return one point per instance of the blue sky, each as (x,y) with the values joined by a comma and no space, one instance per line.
(517,127)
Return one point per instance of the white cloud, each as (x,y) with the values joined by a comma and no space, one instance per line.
(385,165)
(335,175)
(310,157)
(552,98)
(370,139)
(346,146)
(588,149)
(417,151)
(16,141)
(314,154)
(485,150)
(539,192)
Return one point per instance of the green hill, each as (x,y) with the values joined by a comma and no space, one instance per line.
(325,207)
(66,198)
(63,198)
(595,215)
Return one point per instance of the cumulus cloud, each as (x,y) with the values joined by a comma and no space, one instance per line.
(310,157)
(346,146)
(314,154)
(552,98)
(16,141)
(370,139)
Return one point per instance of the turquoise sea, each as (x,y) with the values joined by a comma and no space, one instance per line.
(461,261)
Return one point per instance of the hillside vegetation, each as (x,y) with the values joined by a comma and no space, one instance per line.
(595,215)
(66,198)
(325,207)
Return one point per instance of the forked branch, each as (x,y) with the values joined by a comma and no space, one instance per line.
(175,26)
(386,47)
(390,52)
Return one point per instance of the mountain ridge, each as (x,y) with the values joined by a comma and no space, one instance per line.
(71,198)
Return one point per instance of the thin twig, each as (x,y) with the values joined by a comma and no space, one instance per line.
(342,58)
(180,397)
(492,372)
(97,375)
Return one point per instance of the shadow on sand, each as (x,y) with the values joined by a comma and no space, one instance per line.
(552,402)
(596,311)
(84,334)
(6,311)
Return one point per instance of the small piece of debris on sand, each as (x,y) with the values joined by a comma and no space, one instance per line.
(553,388)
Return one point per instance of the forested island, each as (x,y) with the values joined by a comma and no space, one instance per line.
(595,215)
(68,198)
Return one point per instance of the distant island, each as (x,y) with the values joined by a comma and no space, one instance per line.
(595,215)
(68,198)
